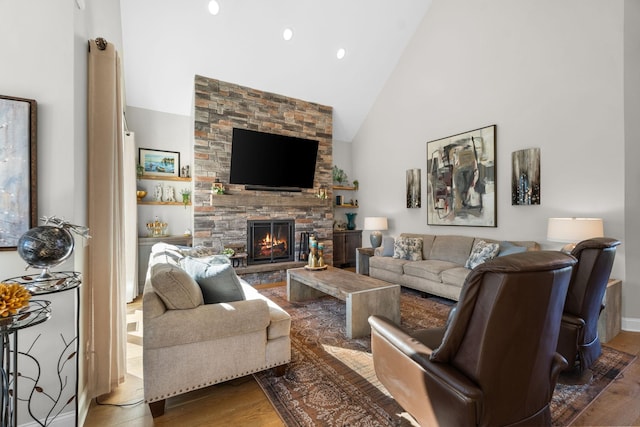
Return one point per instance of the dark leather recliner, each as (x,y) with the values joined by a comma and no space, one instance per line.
(495,363)
(579,342)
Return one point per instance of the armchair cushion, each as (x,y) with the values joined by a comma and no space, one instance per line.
(218,282)
(175,287)
(409,248)
(482,252)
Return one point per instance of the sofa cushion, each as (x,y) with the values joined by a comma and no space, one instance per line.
(393,265)
(409,248)
(508,248)
(455,249)
(430,269)
(455,276)
(175,287)
(218,282)
(482,252)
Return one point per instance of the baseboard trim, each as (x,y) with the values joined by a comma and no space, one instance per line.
(631,324)
(63,420)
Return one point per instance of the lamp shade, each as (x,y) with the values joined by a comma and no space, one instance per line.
(376,223)
(574,230)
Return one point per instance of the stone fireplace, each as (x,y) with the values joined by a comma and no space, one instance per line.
(270,241)
(221,220)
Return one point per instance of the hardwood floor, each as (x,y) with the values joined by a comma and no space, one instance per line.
(242,402)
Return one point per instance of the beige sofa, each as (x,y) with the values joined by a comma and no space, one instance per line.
(441,271)
(190,345)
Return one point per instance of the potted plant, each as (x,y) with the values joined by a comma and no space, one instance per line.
(186,196)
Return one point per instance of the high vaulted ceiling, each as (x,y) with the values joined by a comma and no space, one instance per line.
(167,42)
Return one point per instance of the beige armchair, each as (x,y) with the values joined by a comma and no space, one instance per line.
(189,345)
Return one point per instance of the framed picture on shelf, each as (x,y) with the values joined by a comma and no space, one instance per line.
(159,163)
(18,130)
(461,177)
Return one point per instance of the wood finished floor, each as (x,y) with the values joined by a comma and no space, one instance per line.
(241,402)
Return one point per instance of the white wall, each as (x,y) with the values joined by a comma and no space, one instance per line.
(631,288)
(37,43)
(549,74)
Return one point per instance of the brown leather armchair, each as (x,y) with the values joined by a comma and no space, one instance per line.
(578,341)
(495,363)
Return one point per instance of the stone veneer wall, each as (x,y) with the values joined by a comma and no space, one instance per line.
(221,106)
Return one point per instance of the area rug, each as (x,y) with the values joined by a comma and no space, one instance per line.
(331,381)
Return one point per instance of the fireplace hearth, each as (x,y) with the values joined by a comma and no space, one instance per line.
(270,241)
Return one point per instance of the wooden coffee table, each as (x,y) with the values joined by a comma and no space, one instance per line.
(363,295)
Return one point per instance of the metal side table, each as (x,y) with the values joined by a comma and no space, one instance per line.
(37,312)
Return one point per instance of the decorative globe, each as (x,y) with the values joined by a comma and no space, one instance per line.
(45,246)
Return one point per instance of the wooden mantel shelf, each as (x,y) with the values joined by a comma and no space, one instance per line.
(227,200)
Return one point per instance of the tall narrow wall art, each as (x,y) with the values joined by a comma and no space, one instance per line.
(525,177)
(414,188)
(461,174)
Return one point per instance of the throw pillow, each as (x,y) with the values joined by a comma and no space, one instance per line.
(218,282)
(482,252)
(387,246)
(508,248)
(409,248)
(175,287)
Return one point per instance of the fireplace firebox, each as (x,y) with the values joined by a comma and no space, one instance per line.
(270,241)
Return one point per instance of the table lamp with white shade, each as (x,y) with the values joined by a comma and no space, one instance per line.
(376,224)
(573,230)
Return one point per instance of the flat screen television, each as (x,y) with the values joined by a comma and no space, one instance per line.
(267,161)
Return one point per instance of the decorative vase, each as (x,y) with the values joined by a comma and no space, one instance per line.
(351,220)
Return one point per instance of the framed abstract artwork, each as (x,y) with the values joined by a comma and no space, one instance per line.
(159,163)
(525,177)
(18,198)
(461,176)
(414,188)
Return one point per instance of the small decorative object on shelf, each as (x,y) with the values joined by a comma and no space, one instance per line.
(140,194)
(13,297)
(217,188)
(48,245)
(228,252)
(356,184)
(322,193)
(186,196)
(351,218)
(185,172)
(157,228)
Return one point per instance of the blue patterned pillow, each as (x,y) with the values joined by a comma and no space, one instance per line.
(482,252)
(408,248)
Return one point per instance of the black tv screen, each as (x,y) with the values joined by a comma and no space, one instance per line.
(269,160)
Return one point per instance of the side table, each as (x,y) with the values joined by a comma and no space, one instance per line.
(362,260)
(37,312)
(610,320)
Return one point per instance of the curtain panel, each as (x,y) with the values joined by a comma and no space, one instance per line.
(106,276)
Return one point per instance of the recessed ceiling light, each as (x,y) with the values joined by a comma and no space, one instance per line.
(287,34)
(214,7)
(341,53)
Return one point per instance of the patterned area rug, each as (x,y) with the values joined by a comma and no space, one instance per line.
(331,381)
